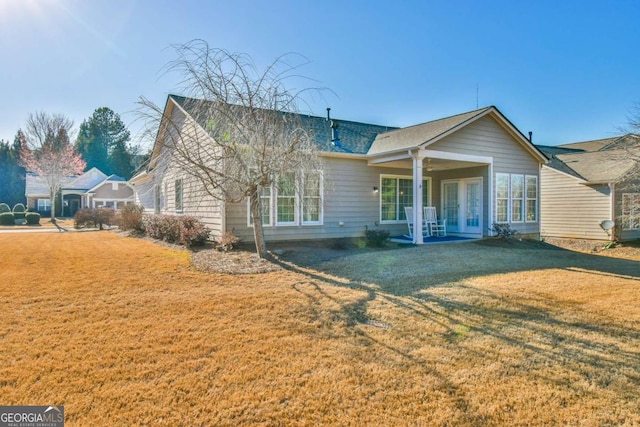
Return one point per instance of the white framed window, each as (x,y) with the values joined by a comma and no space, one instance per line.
(266,208)
(312,199)
(396,193)
(44,205)
(631,211)
(516,198)
(114,186)
(296,199)
(286,201)
(502,197)
(531,198)
(178,195)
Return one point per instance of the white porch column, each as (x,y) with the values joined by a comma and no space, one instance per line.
(417,200)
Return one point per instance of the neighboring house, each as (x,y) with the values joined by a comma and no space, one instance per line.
(92,189)
(476,168)
(586,183)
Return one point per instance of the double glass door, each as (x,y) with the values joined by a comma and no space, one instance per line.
(462,205)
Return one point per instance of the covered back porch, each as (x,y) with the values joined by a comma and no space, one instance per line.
(457,185)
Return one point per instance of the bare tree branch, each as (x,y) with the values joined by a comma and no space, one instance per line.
(243,131)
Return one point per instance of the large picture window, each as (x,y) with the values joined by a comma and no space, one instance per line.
(631,211)
(396,194)
(516,198)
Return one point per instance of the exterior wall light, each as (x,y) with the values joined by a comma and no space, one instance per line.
(375,189)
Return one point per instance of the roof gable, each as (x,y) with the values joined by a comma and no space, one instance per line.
(426,134)
(414,136)
(87,180)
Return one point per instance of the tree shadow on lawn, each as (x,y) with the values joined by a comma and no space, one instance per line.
(410,269)
(559,345)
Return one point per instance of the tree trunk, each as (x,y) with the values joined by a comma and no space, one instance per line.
(52,197)
(258,231)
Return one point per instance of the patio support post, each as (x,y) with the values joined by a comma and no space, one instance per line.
(417,200)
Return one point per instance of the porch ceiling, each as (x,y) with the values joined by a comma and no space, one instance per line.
(429,165)
(432,160)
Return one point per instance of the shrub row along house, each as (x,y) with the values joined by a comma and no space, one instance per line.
(92,189)
(476,168)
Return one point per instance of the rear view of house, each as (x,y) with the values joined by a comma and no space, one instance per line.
(475,168)
(588,187)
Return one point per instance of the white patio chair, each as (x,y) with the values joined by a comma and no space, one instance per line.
(436,227)
(408,212)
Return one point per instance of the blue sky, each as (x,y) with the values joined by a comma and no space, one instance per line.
(566,70)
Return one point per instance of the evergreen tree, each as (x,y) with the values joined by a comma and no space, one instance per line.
(12,175)
(103,142)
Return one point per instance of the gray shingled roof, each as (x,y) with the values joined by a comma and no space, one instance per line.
(414,136)
(599,166)
(94,176)
(35,184)
(597,161)
(590,146)
(87,180)
(352,137)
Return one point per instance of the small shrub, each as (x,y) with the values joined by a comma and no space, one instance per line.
(183,230)
(4,208)
(93,218)
(7,218)
(193,232)
(376,238)
(129,218)
(504,231)
(228,241)
(163,227)
(33,218)
(19,211)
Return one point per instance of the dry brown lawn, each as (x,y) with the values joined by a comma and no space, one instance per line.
(124,332)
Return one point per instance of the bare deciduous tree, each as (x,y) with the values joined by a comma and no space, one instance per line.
(45,149)
(246,134)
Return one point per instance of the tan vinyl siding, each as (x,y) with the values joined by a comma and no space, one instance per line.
(348,198)
(485,137)
(570,209)
(105,191)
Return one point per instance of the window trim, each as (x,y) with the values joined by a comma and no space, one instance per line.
(425,179)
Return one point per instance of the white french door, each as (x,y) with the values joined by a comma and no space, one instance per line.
(462,205)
